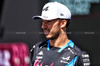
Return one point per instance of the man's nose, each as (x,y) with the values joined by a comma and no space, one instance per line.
(43,25)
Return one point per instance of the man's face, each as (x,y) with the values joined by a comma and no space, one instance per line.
(51,28)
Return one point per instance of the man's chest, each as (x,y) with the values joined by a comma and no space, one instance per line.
(43,57)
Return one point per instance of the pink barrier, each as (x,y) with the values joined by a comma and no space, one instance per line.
(14,54)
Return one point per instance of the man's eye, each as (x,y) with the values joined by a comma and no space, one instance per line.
(48,21)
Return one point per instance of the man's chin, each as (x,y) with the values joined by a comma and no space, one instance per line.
(48,37)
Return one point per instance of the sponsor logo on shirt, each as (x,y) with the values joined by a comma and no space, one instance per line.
(71,50)
(39,63)
(65,60)
(86,60)
(40,55)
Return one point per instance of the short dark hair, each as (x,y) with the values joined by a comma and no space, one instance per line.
(68,22)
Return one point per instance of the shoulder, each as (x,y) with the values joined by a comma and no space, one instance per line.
(79,51)
(38,44)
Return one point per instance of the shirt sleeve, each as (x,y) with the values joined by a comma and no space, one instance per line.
(84,59)
(31,55)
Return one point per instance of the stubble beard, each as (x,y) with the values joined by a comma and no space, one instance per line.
(53,35)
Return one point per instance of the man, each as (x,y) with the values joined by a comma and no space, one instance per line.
(58,50)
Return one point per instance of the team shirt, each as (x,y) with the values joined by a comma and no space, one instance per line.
(42,54)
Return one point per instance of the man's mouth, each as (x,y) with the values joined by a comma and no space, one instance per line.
(46,32)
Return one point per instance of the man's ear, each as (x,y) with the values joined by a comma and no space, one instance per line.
(63,23)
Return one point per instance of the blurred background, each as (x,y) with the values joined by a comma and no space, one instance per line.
(16,24)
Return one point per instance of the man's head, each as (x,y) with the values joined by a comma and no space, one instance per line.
(55,17)
(54,10)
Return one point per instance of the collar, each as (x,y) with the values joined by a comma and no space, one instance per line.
(70,43)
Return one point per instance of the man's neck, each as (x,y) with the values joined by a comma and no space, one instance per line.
(61,41)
